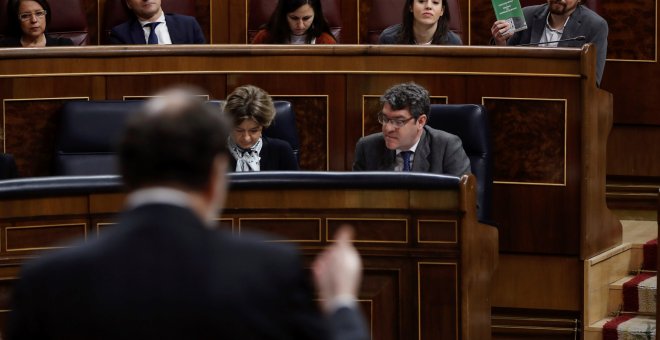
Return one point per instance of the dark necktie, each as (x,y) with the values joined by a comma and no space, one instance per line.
(406,160)
(153,38)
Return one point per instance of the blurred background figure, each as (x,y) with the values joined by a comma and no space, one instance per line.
(28,21)
(296,22)
(425,22)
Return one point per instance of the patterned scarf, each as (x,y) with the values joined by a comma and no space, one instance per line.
(246,159)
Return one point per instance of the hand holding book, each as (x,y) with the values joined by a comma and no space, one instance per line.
(510,19)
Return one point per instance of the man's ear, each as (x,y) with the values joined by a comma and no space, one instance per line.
(422,120)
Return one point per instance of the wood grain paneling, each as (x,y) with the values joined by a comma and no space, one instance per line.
(634,151)
(438,300)
(298,230)
(30,127)
(537,126)
(631,20)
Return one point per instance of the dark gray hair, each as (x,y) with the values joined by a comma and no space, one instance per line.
(409,96)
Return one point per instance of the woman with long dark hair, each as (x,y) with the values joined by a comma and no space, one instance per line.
(425,22)
(28,20)
(296,22)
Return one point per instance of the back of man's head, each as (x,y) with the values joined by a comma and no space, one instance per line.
(173,141)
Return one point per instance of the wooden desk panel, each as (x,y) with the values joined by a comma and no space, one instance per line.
(411,289)
(539,204)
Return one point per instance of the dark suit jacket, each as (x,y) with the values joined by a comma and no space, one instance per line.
(582,22)
(276,155)
(161,274)
(183,30)
(16,42)
(437,152)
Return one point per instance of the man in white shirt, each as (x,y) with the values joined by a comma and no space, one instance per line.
(150,25)
(566,20)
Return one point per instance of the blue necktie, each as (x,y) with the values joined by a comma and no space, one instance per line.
(153,38)
(406,160)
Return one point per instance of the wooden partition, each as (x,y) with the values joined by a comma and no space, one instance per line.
(549,124)
(427,261)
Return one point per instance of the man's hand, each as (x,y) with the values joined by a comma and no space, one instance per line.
(338,271)
(500,32)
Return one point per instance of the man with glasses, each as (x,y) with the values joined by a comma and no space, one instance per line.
(152,26)
(406,143)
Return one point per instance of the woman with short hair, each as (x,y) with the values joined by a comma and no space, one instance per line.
(28,20)
(252,110)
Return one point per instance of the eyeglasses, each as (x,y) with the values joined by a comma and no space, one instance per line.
(397,123)
(28,16)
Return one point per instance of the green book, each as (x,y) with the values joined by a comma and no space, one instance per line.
(511,11)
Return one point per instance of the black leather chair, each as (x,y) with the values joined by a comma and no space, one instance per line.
(87,136)
(7,166)
(282,127)
(470,123)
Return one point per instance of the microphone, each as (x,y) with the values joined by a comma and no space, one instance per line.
(578,38)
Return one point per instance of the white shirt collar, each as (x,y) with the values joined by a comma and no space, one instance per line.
(161,18)
(162,195)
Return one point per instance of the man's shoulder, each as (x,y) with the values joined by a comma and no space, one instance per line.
(372,139)
(535,10)
(174,17)
(437,134)
(587,15)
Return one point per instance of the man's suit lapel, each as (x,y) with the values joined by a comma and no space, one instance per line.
(176,33)
(539,24)
(387,161)
(422,153)
(137,33)
(572,28)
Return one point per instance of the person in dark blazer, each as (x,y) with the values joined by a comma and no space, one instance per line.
(557,20)
(151,25)
(165,271)
(425,22)
(28,22)
(406,143)
(252,110)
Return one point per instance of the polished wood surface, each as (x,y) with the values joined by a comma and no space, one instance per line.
(334,87)
(420,283)
(632,73)
(548,210)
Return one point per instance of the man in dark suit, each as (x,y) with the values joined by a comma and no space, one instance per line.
(165,271)
(151,25)
(557,20)
(406,143)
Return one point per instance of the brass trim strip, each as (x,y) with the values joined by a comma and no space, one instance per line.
(419,295)
(439,242)
(377,72)
(98,227)
(124,98)
(563,184)
(240,220)
(82,224)
(4,109)
(327,228)
(533,328)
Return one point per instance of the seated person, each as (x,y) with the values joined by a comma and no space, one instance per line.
(252,110)
(425,22)
(151,25)
(296,22)
(28,20)
(406,143)
(167,271)
(557,20)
